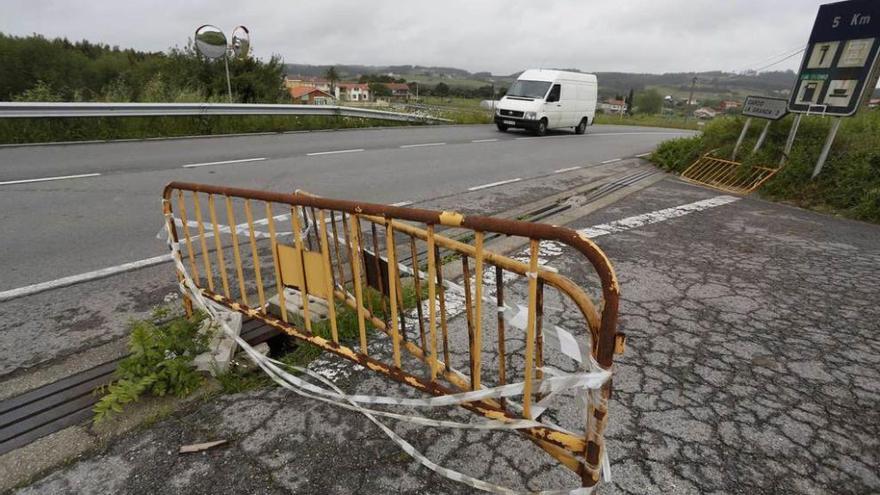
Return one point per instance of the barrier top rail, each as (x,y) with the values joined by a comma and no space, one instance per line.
(91,109)
(334,262)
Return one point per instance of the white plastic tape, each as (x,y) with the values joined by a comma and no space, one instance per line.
(590,381)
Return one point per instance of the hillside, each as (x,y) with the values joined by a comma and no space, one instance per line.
(713,85)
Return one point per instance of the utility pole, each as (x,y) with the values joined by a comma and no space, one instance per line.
(687,107)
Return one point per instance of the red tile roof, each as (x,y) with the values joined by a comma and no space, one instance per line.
(300,91)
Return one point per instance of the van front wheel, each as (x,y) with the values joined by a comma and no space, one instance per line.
(581,127)
(541,128)
(501,127)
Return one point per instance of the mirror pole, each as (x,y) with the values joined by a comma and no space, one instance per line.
(228,83)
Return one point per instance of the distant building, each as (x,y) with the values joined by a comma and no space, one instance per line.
(307,95)
(399,91)
(613,106)
(352,92)
(728,105)
(705,113)
(291,81)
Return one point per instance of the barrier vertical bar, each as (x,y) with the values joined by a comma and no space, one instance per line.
(418,288)
(206,258)
(235,251)
(328,272)
(356,279)
(339,267)
(254,253)
(438,268)
(468,311)
(218,246)
(432,295)
(530,328)
(279,285)
(478,309)
(298,243)
(392,291)
(190,252)
(499,301)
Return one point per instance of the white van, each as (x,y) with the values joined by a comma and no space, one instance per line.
(548,99)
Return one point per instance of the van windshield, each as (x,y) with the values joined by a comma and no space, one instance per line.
(529,89)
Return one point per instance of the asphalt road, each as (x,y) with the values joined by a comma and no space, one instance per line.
(59,228)
(751,367)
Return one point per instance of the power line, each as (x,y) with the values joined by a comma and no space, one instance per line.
(781,60)
(771,57)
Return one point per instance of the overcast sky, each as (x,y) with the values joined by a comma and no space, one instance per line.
(501,36)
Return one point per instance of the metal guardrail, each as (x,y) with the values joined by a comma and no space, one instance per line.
(44,109)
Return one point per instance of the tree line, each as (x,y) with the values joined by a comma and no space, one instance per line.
(36,68)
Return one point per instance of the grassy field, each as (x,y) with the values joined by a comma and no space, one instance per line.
(848,185)
(675,122)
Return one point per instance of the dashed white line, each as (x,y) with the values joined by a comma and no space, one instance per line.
(82,277)
(224,162)
(643,155)
(401,203)
(317,153)
(421,145)
(45,179)
(484,140)
(610,161)
(569,169)
(493,184)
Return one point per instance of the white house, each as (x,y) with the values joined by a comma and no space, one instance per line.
(353,92)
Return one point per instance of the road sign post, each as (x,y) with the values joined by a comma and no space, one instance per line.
(761,107)
(742,136)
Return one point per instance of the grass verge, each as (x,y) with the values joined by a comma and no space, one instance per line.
(45,130)
(849,184)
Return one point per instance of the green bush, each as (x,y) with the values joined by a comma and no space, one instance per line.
(160,363)
(850,180)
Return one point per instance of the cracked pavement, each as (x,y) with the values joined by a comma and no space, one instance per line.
(752,366)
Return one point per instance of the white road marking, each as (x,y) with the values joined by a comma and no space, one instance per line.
(610,161)
(44,179)
(530,137)
(401,203)
(493,184)
(569,169)
(355,150)
(655,216)
(225,162)
(595,231)
(421,145)
(484,140)
(82,277)
(644,154)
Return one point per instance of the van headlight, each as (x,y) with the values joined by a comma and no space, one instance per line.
(531,115)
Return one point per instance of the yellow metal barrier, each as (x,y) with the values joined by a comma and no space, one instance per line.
(726,175)
(366,282)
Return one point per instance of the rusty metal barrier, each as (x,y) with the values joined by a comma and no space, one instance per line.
(366,282)
(726,175)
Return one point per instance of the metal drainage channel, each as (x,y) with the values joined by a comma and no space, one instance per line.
(67,402)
